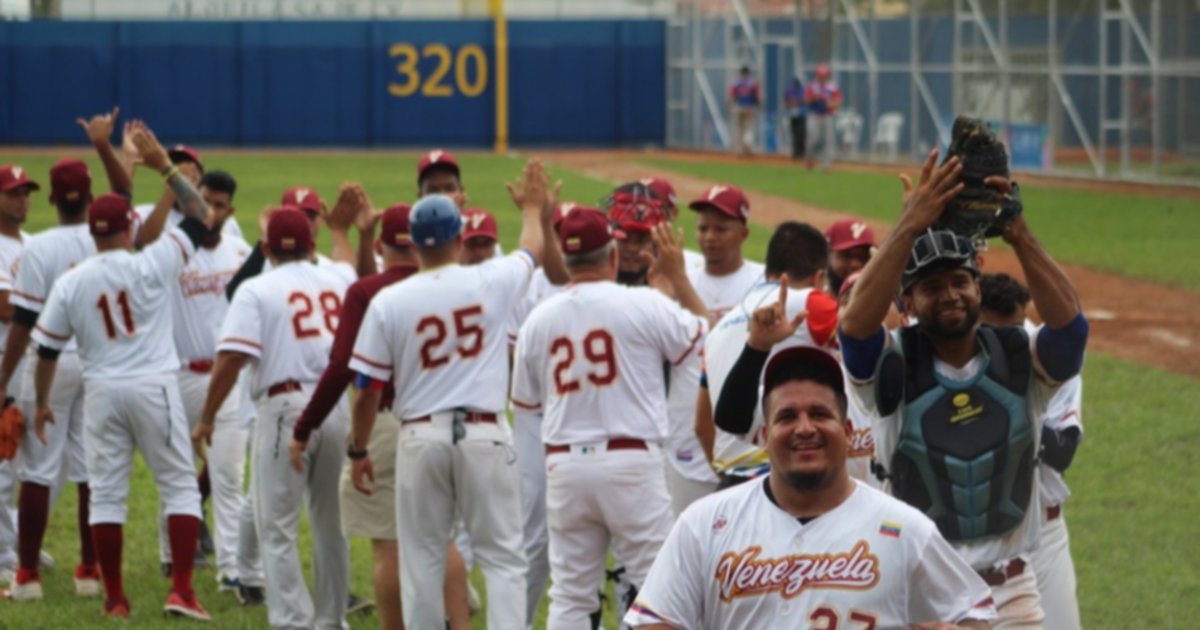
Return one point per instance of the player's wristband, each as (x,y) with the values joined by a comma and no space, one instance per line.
(354,454)
(170,171)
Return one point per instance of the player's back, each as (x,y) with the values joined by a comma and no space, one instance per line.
(447,328)
(597,352)
(47,255)
(297,306)
(118,306)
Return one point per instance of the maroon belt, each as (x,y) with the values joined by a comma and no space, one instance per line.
(997,577)
(201,366)
(615,444)
(473,417)
(1053,512)
(283,388)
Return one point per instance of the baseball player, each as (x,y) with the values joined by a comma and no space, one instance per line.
(796,255)
(150,223)
(1003,301)
(438,173)
(480,236)
(823,97)
(948,389)
(440,337)
(46,257)
(850,244)
(590,359)
(116,306)
(807,546)
(15,190)
(284,321)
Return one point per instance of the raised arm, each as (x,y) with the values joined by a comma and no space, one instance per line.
(530,193)
(190,203)
(340,218)
(876,287)
(552,262)
(669,265)
(99,129)
(366,221)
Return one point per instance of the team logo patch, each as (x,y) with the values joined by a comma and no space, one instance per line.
(716,191)
(719,523)
(434,156)
(890,529)
(963,409)
(287,242)
(857,229)
(477,220)
(101,224)
(17,172)
(301,194)
(743,574)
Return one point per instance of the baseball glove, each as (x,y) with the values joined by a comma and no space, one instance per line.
(12,427)
(979,211)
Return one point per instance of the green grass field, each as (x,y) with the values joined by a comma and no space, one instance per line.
(1135,496)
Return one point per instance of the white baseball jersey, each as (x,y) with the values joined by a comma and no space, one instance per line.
(740,454)
(540,288)
(117,306)
(47,256)
(342,269)
(736,560)
(10,259)
(984,553)
(141,212)
(591,359)
(441,336)
(285,319)
(199,304)
(722,294)
(693,260)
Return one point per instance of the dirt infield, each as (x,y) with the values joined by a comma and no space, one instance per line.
(1132,319)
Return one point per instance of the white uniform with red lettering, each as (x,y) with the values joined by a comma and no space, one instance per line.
(591,360)
(47,256)
(143,211)
(116,306)
(690,476)
(198,307)
(10,255)
(736,561)
(531,463)
(441,337)
(285,320)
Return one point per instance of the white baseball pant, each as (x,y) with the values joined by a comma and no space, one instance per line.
(250,565)
(478,477)
(1055,573)
(226,470)
(8,515)
(1018,605)
(145,413)
(822,130)
(42,463)
(279,491)
(684,490)
(594,495)
(531,469)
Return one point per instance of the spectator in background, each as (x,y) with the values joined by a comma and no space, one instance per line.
(744,99)
(823,98)
(797,107)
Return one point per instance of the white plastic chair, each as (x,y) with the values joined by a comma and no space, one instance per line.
(848,125)
(887,133)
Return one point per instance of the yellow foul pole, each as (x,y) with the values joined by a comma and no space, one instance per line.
(501,43)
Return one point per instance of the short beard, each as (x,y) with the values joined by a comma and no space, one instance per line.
(633,278)
(809,482)
(931,326)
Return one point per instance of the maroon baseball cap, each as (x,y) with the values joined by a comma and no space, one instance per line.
(13,177)
(848,233)
(478,222)
(662,190)
(584,230)
(724,198)
(437,158)
(184,153)
(302,198)
(394,230)
(70,180)
(288,230)
(109,214)
(808,362)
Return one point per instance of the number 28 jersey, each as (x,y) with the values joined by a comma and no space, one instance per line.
(591,360)
(286,319)
(441,336)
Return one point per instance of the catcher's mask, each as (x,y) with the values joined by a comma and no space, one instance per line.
(937,250)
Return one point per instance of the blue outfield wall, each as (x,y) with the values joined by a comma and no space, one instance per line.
(594,82)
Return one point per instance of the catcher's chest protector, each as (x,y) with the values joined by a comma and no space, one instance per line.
(966,451)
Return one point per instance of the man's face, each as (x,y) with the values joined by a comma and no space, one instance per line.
(477,249)
(190,171)
(220,205)
(314,221)
(845,262)
(946,303)
(807,436)
(631,249)
(14,205)
(440,182)
(720,236)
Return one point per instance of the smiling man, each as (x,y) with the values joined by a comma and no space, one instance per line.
(807,544)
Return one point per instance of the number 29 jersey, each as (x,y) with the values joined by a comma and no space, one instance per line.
(441,336)
(591,360)
(286,320)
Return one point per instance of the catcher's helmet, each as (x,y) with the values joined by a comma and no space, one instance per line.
(434,220)
(936,250)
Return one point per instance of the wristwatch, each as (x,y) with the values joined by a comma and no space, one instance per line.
(355,454)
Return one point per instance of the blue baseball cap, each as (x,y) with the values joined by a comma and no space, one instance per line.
(434,220)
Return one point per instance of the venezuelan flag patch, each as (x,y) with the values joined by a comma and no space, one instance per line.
(890,529)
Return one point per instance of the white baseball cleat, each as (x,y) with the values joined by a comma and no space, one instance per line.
(7,575)
(87,580)
(25,592)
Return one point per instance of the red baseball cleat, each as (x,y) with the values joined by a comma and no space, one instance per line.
(189,607)
(119,610)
